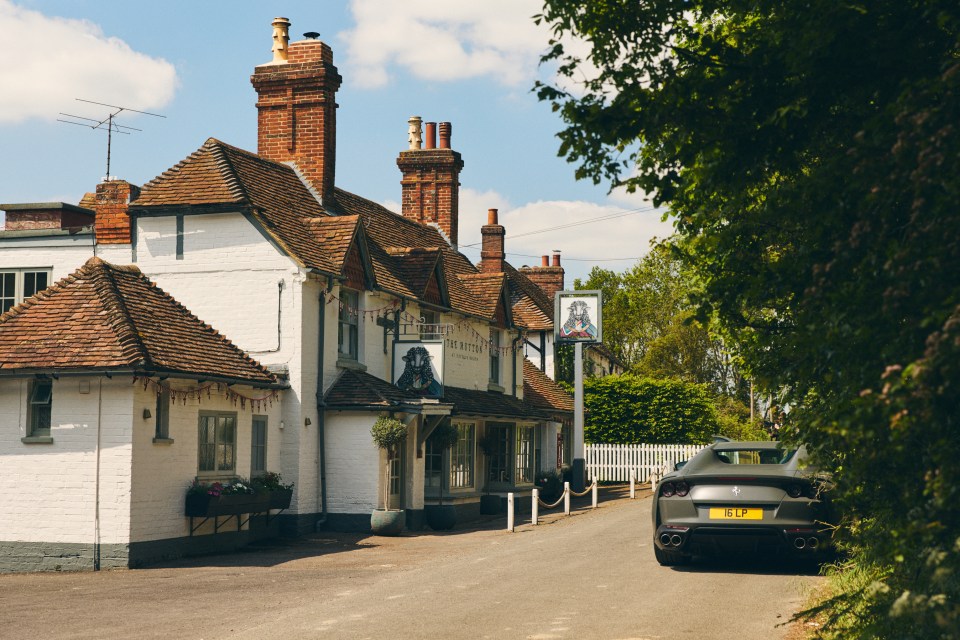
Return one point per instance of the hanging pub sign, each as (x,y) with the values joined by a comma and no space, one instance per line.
(418,367)
(577,316)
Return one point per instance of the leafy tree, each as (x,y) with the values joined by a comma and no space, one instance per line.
(809,152)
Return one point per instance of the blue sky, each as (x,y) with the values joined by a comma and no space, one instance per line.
(472,64)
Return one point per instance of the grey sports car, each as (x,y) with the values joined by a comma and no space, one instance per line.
(744,497)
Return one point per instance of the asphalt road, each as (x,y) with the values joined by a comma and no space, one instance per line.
(591,575)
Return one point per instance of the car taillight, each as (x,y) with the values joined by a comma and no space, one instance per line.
(682,488)
(794,491)
(667,490)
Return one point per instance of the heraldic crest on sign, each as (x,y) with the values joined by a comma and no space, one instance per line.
(578,316)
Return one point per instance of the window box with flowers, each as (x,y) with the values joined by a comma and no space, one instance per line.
(280,492)
(233,498)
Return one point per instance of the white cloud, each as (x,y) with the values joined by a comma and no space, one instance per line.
(610,231)
(445,40)
(50,61)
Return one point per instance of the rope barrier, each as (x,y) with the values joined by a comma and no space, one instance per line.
(585,492)
(550,506)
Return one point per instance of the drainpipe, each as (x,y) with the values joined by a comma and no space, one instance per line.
(321,411)
(513,358)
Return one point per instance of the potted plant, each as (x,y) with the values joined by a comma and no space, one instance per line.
(388,434)
(442,516)
(224,499)
(280,492)
(489,504)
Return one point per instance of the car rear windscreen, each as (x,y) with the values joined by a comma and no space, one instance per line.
(755,456)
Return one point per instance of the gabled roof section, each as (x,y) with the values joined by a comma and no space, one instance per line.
(531,306)
(490,290)
(340,235)
(387,229)
(109,318)
(422,269)
(542,392)
(221,178)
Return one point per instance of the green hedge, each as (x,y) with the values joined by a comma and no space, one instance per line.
(630,410)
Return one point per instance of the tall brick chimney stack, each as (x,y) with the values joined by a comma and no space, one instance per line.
(430,186)
(297,108)
(548,277)
(491,251)
(111,223)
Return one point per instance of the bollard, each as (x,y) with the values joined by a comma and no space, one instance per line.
(594,493)
(510,512)
(566,498)
(633,483)
(535,506)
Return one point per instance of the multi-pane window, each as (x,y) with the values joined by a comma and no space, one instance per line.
(396,477)
(162,431)
(258,446)
(495,356)
(462,456)
(41,402)
(432,465)
(16,285)
(501,470)
(218,443)
(429,325)
(524,454)
(348,328)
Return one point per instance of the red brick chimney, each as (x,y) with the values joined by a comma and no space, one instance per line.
(297,108)
(112,222)
(547,277)
(491,252)
(430,187)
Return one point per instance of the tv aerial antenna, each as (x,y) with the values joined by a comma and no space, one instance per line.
(108,124)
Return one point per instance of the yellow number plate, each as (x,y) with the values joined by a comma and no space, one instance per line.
(731,513)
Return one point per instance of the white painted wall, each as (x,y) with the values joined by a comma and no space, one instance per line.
(353,463)
(50,490)
(534,355)
(62,255)
(162,472)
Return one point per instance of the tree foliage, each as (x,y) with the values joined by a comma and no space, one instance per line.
(631,410)
(809,153)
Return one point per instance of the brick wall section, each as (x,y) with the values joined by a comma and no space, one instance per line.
(550,279)
(55,217)
(297,112)
(430,188)
(112,223)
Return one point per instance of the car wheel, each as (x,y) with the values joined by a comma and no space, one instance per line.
(670,558)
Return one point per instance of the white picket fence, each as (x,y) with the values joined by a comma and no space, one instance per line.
(613,462)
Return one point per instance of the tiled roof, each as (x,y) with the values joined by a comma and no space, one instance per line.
(415,265)
(540,391)
(220,177)
(488,290)
(106,317)
(532,308)
(360,390)
(470,402)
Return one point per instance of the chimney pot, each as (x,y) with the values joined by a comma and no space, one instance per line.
(445,130)
(431,142)
(311,35)
(556,258)
(415,132)
(545,261)
(491,216)
(281,36)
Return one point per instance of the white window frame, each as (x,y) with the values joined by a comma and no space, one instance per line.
(524,469)
(255,446)
(19,293)
(348,323)
(463,457)
(218,443)
(494,355)
(39,408)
